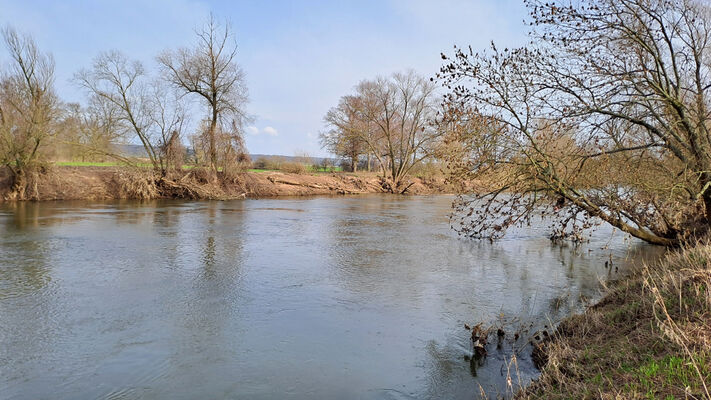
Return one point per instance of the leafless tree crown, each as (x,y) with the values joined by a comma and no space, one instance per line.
(210,71)
(391,118)
(28,105)
(604,116)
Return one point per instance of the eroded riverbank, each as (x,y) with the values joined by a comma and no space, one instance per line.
(107,183)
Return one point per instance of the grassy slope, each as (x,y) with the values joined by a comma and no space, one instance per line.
(649,338)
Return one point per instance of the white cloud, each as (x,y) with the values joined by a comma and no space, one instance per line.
(270,131)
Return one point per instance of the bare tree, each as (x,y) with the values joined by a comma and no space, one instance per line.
(169,117)
(393,118)
(604,117)
(28,106)
(79,135)
(230,148)
(210,71)
(91,131)
(119,84)
(232,151)
(341,138)
(135,105)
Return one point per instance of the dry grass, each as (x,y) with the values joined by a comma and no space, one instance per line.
(649,338)
(199,183)
(137,184)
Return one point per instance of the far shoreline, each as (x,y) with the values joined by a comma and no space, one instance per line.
(130,183)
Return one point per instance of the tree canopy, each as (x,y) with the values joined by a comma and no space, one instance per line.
(604,116)
(390,118)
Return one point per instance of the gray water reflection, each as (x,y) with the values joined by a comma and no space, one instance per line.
(350,298)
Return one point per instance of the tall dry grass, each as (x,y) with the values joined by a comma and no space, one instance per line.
(682,305)
(648,338)
(137,183)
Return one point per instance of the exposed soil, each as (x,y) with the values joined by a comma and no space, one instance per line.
(103,183)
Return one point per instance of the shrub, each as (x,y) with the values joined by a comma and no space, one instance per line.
(293,168)
(260,163)
(427,170)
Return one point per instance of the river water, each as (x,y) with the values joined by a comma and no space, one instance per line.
(327,297)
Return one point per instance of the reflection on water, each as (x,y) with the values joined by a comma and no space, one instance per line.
(358,297)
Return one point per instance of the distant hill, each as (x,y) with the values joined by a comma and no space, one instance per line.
(129,150)
(288,158)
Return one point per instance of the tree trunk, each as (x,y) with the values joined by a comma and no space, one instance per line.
(394,170)
(18,183)
(213,150)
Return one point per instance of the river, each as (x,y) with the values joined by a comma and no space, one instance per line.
(299,298)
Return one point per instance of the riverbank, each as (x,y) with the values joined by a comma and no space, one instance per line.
(106,183)
(648,338)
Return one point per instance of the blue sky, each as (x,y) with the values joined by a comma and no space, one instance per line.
(299,56)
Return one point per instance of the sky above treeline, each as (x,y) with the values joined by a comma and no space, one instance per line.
(299,57)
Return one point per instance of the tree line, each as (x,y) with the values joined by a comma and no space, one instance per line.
(125,103)
(387,120)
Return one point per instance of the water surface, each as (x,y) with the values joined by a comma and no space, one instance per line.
(330,297)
